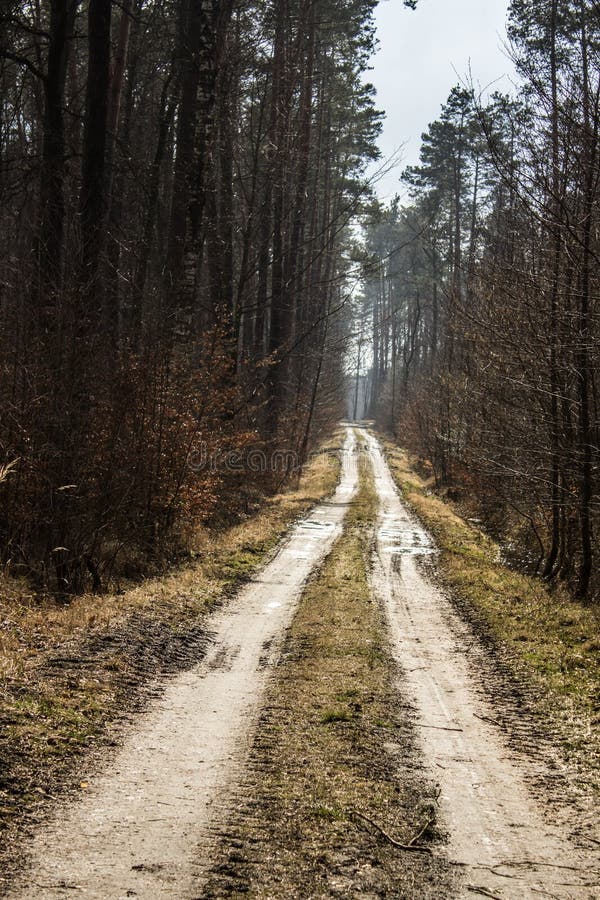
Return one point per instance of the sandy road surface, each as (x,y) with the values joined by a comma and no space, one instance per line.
(504,841)
(137,830)
(144,826)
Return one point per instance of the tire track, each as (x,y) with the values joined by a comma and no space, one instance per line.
(146,822)
(504,841)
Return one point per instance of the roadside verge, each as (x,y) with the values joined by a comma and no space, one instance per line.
(69,675)
(547,645)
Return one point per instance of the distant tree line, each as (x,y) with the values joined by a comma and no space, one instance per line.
(177,178)
(482,296)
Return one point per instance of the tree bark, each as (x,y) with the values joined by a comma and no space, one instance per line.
(93,172)
(52,203)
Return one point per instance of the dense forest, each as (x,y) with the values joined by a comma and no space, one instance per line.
(480,320)
(180,182)
(177,183)
(299,480)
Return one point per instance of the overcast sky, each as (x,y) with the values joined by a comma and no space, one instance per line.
(422,54)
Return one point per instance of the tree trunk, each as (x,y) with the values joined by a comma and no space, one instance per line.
(555,499)
(93,183)
(590,139)
(52,204)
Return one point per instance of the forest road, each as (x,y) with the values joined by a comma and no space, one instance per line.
(145,823)
(504,841)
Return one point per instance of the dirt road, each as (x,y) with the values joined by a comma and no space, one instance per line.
(136,831)
(507,844)
(144,826)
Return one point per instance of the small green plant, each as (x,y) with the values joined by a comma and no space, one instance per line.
(335,715)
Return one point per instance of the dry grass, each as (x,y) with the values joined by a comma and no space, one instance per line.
(334,742)
(553,640)
(68,672)
(30,623)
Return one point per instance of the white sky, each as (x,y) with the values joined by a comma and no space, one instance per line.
(422,54)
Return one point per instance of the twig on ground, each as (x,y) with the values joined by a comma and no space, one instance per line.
(544,893)
(476,889)
(488,719)
(533,863)
(420,833)
(495,872)
(411,846)
(441,727)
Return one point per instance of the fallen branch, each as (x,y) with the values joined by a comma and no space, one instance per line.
(441,727)
(488,719)
(411,846)
(483,891)
(419,834)
(533,863)
(544,893)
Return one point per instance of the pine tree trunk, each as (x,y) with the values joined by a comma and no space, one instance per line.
(52,203)
(93,182)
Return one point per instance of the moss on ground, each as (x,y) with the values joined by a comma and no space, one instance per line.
(334,743)
(553,640)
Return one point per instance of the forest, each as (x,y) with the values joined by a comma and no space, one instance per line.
(479,326)
(196,266)
(299,450)
(177,181)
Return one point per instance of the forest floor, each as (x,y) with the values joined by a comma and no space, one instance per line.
(349,728)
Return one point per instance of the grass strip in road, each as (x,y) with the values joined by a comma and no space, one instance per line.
(69,673)
(334,777)
(550,641)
